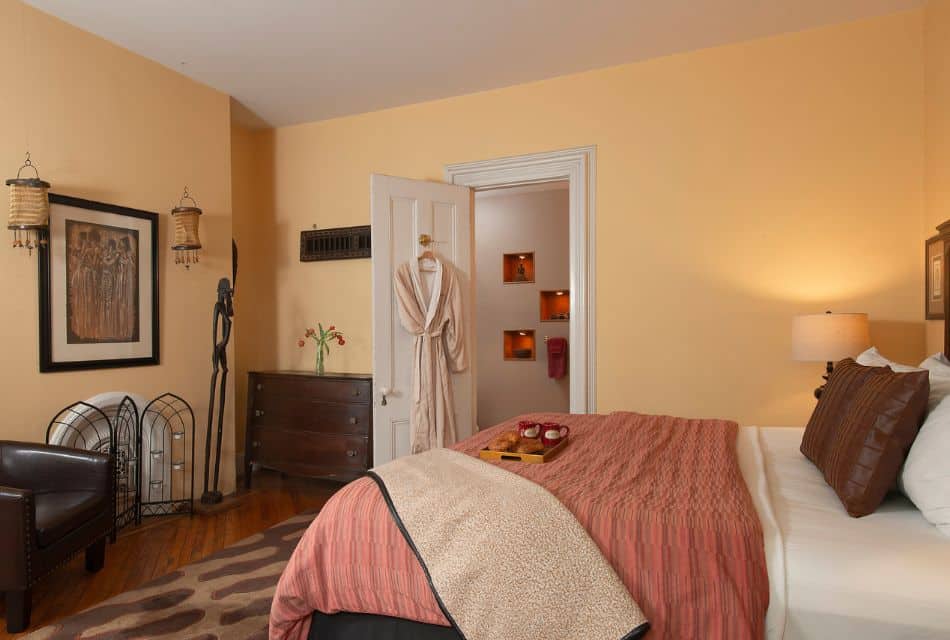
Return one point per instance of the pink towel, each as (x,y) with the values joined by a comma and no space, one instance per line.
(557,358)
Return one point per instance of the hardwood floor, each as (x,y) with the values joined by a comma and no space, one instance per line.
(163,544)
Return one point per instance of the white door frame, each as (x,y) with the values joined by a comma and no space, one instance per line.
(577,166)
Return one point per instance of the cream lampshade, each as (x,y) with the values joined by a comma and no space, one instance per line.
(829,337)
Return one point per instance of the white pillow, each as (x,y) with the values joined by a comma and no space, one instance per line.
(873,358)
(937,365)
(939,368)
(926,474)
(925,478)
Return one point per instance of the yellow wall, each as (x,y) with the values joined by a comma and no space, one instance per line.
(108,125)
(937,63)
(252,165)
(736,187)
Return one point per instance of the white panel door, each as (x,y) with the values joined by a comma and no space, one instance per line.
(401,211)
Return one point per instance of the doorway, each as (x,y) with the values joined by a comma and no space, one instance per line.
(522,300)
(408,216)
(578,168)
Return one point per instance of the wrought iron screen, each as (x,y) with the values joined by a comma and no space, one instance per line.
(152,452)
(168,450)
(127,450)
(85,426)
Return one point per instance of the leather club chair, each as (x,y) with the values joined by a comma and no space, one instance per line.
(54,502)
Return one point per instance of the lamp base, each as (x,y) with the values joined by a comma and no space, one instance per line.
(829,367)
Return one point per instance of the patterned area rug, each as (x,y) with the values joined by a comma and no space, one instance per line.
(225,596)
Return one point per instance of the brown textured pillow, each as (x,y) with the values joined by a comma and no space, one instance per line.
(872,442)
(836,398)
(862,428)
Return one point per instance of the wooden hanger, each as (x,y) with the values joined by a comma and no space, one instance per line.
(425,240)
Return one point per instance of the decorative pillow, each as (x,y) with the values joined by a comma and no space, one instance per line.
(926,475)
(843,383)
(864,458)
(937,365)
(873,358)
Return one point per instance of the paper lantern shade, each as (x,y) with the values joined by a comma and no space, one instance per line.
(187,241)
(29,208)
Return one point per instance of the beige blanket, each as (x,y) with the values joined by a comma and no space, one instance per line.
(506,560)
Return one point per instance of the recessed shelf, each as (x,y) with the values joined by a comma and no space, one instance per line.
(519,344)
(555,305)
(518,268)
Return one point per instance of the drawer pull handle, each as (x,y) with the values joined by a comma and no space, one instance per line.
(259,386)
(356,392)
(351,453)
(258,413)
(353,420)
(255,444)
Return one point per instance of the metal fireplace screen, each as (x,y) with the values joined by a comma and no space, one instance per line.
(168,446)
(341,243)
(127,449)
(152,452)
(85,426)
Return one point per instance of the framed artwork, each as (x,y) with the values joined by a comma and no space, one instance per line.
(98,287)
(935,288)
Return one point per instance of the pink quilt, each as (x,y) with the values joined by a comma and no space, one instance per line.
(663,498)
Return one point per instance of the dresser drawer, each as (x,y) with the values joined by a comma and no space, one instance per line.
(283,388)
(303,424)
(309,453)
(307,414)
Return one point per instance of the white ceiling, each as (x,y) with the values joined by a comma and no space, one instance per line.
(292,61)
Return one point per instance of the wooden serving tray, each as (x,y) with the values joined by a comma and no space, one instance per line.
(531,458)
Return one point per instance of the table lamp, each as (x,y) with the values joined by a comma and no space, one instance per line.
(829,337)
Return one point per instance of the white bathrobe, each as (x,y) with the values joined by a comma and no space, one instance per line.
(435,319)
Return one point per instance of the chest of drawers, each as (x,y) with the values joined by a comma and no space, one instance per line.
(304,424)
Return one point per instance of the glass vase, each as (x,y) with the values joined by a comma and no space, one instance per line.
(319,365)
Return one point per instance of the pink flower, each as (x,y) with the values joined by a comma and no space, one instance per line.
(331,328)
(301,343)
(310,332)
(341,341)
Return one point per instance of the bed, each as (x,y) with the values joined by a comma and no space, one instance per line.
(885,576)
(882,577)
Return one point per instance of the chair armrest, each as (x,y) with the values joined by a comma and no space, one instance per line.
(16,526)
(43,468)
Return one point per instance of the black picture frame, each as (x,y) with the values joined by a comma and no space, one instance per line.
(47,362)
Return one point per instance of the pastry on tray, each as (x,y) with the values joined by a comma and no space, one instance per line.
(529,445)
(504,442)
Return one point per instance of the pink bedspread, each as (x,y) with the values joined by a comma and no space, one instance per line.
(662,497)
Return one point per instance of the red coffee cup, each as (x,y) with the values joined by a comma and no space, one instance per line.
(528,429)
(552,433)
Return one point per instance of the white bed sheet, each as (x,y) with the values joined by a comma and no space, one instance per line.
(882,577)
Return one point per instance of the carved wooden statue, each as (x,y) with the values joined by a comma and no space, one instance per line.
(223,312)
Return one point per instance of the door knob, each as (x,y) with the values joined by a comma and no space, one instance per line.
(384,391)
(255,444)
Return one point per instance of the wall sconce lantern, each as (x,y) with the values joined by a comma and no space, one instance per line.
(29,209)
(187,242)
